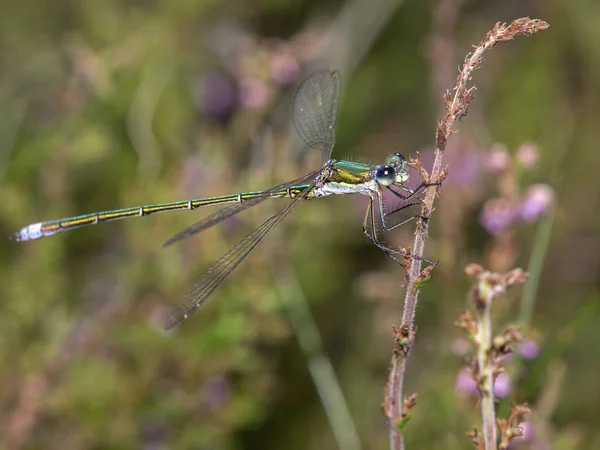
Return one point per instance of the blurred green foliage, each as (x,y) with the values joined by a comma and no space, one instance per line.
(113,104)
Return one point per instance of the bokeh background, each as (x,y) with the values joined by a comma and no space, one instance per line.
(108,104)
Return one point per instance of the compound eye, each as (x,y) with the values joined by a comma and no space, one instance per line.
(396,160)
(386,175)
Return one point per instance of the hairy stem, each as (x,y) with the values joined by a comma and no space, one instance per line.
(456,107)
(486,372)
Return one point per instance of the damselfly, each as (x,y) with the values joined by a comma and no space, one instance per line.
(314,112)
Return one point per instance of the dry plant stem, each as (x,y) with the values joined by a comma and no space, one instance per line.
(456,107)
(486,371)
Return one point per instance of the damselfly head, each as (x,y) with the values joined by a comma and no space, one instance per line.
(398,162)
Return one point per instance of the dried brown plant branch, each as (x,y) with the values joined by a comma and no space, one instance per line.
(456,107)
(512,428)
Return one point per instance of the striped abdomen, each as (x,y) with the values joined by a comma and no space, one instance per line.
(41,229)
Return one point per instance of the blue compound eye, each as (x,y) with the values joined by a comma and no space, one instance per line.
(385,175)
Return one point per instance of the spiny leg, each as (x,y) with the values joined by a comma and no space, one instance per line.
(412,192)
(386,227)
(370,230)
(383,215)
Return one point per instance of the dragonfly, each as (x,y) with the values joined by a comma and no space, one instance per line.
(314,112)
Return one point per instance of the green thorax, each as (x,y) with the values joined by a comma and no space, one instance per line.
(348,172)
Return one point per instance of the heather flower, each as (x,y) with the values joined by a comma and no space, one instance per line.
(216,392)
(527,155)
(255,93)
(536,201)
(528,433)
(215,96)
(496,159)
(465,383)
(502,385)
(529,349)
(284,68)
(497,215)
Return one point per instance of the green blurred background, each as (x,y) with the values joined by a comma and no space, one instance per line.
(108,104)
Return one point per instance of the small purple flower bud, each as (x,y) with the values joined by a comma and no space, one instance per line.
(255,93)
(502,385)
(465,383)
(527,155)
(284,68)
(497,215)
(528,433)
(215,96)
(497,159)
(529,349)
(216,392)
(537,200)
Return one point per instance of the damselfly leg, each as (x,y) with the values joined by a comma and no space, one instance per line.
(377,219)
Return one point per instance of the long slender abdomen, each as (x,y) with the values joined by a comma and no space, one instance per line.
(42,229)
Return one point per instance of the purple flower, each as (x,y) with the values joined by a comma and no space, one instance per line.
(497,159)
(284,68)
(465,383)
(255,93)
(215,96)
(536,201)
(527,155)
(216,392)
(528,433)
(497,215)
(502,385)
(529,349)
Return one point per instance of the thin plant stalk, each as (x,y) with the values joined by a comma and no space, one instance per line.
(456,107)
(319,365)
(535,265)
(484,360)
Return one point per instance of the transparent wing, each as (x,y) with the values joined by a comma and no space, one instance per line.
(314,110)
(232,210)
(221,269)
